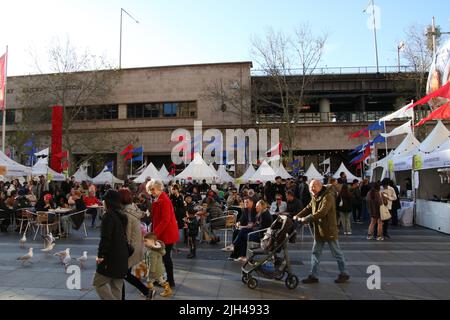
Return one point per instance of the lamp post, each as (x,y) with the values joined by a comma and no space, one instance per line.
(120,44)
(400,47)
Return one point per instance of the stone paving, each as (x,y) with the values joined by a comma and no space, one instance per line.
(415,264)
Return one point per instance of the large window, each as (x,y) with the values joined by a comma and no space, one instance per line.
(10,116)
(187,109)
(105,112)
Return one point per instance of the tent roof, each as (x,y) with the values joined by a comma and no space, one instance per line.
(264,173)
(281,171)
(164,174)
(41,168)
(436,137)
(81,175)
(223,175)
(149,172)
(409,144)
(197,169)
(105,177)
(247,174)
(13,169)
(343,168)
(313,173)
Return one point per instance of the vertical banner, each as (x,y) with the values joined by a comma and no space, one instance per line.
(2,81)
(56,148)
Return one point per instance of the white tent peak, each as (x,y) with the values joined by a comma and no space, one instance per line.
(247,174)
(264,173)
(343,168)
(105,177)
(223,175)
(164,174)
(435,138)
(197,170)
(81,175)
(149,172)
(313,174)
(41,168)
(281,171)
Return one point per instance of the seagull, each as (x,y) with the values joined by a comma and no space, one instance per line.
(48,247)
(49,243)
(66,260)
(62,254)
(27,257)
(82,259)
(22,241)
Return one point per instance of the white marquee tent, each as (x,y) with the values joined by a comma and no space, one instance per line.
(164,174)
(264,173)
(105,177)
(81,175)
(313,174)
(149,172)
(281,171)
(197,170)
(41,168)
(12,168)
(350,176)
(247,174)
(223,175)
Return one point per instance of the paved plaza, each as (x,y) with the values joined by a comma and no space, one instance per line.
(415,264)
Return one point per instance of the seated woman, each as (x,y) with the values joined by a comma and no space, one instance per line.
(263,221)
(212,211)
(91,200)
(76,203)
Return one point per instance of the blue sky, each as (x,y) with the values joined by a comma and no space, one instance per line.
(202,31)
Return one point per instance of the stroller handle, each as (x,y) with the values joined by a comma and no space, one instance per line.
(255,232)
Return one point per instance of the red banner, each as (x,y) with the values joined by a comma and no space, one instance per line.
(441,113)
(56,148)
(2,81)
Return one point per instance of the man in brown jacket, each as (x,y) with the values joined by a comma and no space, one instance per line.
(321,212)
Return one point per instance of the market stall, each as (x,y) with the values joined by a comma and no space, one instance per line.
(10,168)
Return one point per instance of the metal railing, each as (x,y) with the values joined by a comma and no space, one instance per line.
(339,70)
(334,117)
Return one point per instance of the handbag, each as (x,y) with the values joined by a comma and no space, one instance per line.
(384,213)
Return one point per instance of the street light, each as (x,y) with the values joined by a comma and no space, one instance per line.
(120,49)
(400,47)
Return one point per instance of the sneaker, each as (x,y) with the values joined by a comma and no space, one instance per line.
(342,278)
(349,233)
(369,237)
(345,233)
(380,239)
(310,279)
(150,295)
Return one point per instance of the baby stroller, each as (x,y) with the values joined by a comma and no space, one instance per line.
(262,257)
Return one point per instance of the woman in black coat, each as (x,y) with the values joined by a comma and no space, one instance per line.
(180,210)
(112,256)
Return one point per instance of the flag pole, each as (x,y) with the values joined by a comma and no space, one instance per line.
(4,103)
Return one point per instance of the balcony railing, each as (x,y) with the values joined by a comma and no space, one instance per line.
(334,117)
(340,70)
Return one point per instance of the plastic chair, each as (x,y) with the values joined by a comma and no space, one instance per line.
(230,218)
(25,217)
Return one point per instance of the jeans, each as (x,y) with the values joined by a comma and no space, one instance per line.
(356,210)
(240,243)
(346,223)
(108,288)
(135,282)
(168,264)
(365,210)
(317,253)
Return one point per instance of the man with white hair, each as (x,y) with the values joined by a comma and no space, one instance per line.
(321,212)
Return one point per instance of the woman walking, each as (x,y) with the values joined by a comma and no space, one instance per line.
(345,208)
(374,201)
(164,224)
(112,256)
(134,236)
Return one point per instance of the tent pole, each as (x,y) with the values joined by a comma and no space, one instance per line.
(413,182)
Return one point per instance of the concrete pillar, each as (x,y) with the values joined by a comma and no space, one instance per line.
(325,108)
(122,111)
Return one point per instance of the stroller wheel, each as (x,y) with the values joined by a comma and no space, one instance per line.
(291,282)
(252,283)
(245,277)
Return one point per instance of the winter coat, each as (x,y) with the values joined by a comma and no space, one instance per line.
(113,247)
(134,234)
(263,220)
(321,211)
(179,208)
(345,203)
(164,223)
(192,226)
(247,216)
(374,201)
(153,260)
(390,195)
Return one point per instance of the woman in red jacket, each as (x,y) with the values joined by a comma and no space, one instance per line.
(164,224)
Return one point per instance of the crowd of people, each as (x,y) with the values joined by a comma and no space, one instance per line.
(146,223)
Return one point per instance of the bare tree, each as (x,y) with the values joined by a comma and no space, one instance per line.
(75,81)
(289,64)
